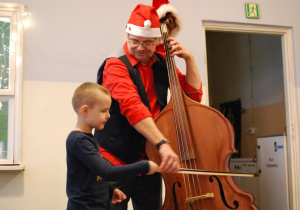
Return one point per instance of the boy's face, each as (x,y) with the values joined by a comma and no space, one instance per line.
(99,114)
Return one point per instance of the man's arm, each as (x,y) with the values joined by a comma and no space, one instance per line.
(143,121)
(192,74)
(169,159)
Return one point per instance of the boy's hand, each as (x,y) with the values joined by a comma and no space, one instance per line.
(153,167)
(118,196)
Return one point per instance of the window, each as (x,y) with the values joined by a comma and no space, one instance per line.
(11,38)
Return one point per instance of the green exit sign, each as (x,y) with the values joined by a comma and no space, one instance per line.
(252,10)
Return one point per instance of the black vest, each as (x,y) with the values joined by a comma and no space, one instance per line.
(118,136)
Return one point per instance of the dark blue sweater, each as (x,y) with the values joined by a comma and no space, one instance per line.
(88,173)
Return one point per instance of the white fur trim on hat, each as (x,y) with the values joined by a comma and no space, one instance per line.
(163,10)
(143,31)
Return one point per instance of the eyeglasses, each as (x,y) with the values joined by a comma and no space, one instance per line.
(146,44)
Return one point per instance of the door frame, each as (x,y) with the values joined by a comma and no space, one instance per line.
(293,157)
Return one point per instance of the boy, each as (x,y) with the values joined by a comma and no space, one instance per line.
(88,173)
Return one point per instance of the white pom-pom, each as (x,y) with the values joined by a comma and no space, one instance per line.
(147,23)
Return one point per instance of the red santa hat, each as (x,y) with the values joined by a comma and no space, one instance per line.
(144,21)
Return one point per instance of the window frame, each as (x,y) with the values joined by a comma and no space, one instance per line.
(13,94)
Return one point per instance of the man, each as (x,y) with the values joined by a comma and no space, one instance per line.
(138,82)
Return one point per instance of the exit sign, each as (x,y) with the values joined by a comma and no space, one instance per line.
(252,10)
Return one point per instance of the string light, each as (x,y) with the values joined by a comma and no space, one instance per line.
(26,19)
(4,51)
(9,39)
(14,36)
(18,60)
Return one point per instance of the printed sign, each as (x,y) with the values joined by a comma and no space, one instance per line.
(252,10)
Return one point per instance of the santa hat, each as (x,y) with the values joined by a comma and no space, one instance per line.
(144,21)
(163,10)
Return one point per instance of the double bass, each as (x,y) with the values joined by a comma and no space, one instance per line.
(204,140)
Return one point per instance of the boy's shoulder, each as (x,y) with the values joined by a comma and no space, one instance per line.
(78,135)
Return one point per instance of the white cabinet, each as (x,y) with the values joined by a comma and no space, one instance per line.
(272,164)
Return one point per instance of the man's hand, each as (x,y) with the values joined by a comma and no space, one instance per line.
(169,159)
(192,73)
(118,196)
(176,48)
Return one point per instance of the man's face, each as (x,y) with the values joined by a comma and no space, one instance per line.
(142,48)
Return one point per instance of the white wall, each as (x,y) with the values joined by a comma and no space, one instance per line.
(64,47)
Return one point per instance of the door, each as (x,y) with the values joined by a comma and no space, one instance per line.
(287,108)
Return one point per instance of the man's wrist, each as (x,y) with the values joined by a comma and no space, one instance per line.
(164,141)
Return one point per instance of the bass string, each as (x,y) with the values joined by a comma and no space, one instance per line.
(181,122)
(174,101)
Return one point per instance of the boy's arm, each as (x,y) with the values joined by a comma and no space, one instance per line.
(87,153)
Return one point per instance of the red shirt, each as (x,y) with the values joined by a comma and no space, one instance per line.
(117,80)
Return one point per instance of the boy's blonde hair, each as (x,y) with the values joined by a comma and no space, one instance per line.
(89,94)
